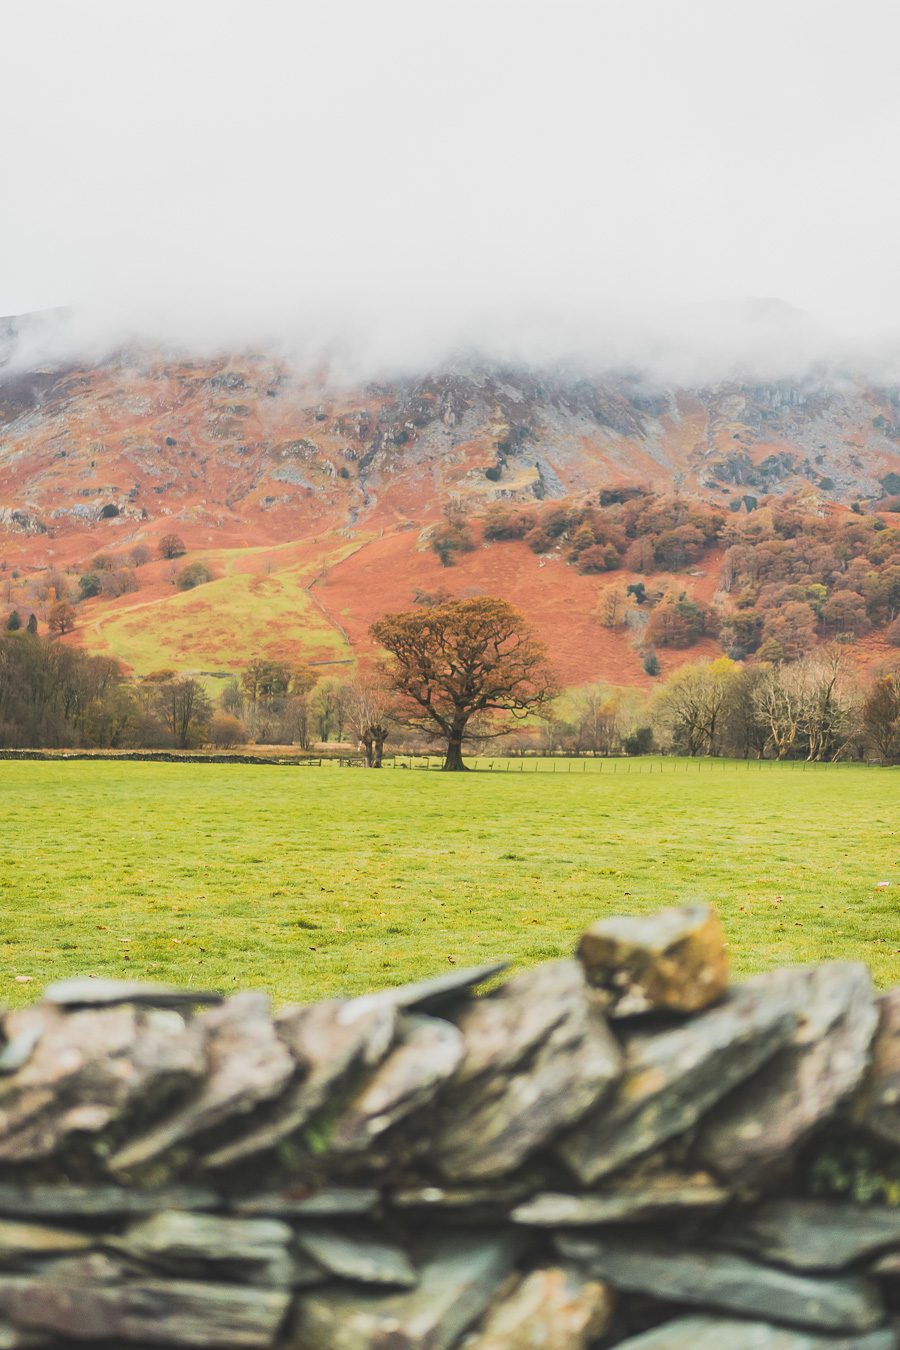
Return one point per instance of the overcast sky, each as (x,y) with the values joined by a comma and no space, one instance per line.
(418,172)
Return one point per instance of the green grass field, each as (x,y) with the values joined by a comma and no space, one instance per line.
(314,881)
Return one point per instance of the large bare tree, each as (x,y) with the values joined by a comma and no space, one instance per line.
(463,660)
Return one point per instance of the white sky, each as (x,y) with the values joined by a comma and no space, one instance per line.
(415,171)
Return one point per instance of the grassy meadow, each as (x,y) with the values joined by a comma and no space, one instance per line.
(316,881)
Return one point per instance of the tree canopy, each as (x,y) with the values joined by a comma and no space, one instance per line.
(463,660)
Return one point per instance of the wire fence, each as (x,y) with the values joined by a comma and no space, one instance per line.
(586,764)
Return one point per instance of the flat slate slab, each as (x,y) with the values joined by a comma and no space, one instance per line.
(727,1283)
(210,1245)
(724,1333)
(364,1257)
(301,1202)
(54,1201)
(459,1276)
(650,1198)
(439,992)
(90,993)
(99,1298)
(814,1234)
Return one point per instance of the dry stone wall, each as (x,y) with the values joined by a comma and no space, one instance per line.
(614,1150)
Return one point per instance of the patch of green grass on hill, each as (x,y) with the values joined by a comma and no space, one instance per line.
(316,881)
(220,625)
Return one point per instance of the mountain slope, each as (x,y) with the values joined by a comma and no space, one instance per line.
(311,503)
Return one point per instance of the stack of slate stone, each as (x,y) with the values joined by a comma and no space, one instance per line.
(614,1150)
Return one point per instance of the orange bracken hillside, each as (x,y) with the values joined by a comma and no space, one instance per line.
(312,504)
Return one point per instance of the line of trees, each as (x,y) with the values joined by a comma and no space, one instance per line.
(819,708)
(457,672)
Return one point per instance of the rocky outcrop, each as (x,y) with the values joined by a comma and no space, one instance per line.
(431,1167)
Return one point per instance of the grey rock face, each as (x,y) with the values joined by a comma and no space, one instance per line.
(879,1104)
(671,1078)
(428,1053)
(728,1283)
(458,1278)
(715,1333)
(538,1056)
(761,1125)
(814,1234)
(674,960)
(89,1069)
(247,1064)
(330,1042)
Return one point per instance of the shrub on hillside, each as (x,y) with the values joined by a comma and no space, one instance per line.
(226,731)
(193,574)
(449,539)
(680,623)
(506,522)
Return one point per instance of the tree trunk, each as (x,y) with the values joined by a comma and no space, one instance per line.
(454,760)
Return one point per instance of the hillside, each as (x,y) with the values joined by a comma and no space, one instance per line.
(312,503)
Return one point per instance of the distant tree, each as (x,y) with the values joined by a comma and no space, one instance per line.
(639,741)
(881,717)
(650,662)
(452,536)
(61,618)
(191,575)
(303,679)
(598,558)
(793,627)
(368,712)
(233,699)
(185,709)
(328,709)
(264,680)
(612,607)
(32,625)
(641,556)
(139,555)
(845,612)
(171,546)
(597,713)
(14,622)
(226,731)
(692,703)
(89,584)
(475,658)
